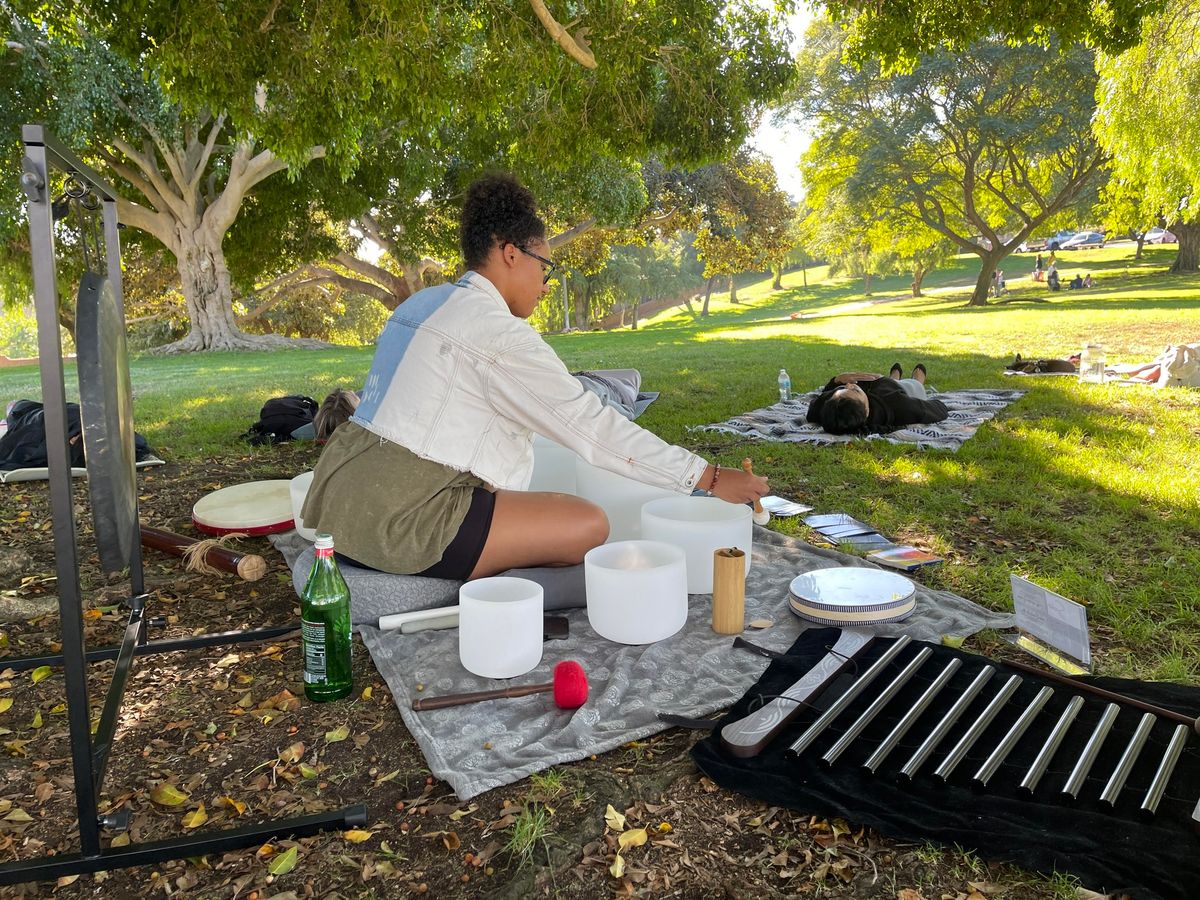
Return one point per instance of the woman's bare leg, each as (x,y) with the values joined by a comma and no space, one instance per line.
(540,529)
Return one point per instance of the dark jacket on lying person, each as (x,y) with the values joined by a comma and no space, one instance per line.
(889,406)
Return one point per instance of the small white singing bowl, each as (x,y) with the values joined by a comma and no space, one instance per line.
(299,490)
(700,526)
(500,626)
(636,591)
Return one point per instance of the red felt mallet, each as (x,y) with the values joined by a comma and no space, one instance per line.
(570,687)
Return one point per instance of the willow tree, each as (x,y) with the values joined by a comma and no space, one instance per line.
(981,146)
(192,107)
(1147,120)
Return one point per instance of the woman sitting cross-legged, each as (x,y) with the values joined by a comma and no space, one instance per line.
(861,403)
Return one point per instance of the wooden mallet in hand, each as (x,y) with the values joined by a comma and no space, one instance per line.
(761,516)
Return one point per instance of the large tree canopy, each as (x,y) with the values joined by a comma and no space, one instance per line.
(191,107)
(900,31)
(1147,119)
(981,146)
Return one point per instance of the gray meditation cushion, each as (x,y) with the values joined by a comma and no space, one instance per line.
(374,594)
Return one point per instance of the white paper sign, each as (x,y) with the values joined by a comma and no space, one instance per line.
(1060,622)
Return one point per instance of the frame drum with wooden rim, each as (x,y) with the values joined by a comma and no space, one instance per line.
(255,507)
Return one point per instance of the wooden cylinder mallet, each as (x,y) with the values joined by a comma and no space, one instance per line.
(245,565)
(729,591)
(761,516)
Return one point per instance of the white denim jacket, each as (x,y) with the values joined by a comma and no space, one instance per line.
(458,379)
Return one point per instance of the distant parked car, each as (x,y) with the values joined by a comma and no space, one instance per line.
(1083,239)
(1158,235)
(1054,242)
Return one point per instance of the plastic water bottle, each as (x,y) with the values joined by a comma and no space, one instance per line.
(325,628)
(785,385)
(1092,364)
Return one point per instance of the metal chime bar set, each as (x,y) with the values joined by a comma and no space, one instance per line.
(748,736)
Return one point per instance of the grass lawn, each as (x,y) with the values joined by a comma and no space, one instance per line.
(1088,490)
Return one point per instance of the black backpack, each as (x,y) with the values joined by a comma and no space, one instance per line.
(280,416)
(23,446)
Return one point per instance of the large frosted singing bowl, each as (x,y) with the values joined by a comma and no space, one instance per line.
(699,526)
(636,591)
(621,499)
(553,467)
(500,626)
(299,490)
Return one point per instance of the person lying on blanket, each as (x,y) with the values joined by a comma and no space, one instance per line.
(861,403)
(428,476)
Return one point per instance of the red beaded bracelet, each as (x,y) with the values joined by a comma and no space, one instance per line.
(716,475)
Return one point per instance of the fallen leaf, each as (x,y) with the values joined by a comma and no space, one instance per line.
(121,840)
(65,880)
(307,771)
(195,818)
(37,720)
(382,779)
(41,673)
(614,820)
(617,869)
(18,815)
(459,813)
(5,704)
(634,837)
(357,835)
(338,734)
(294,753)
(236,805)
(284,862)
(664,827)
(451,840)
(229,659)
(166,794)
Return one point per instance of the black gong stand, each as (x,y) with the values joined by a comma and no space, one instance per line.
(107,416)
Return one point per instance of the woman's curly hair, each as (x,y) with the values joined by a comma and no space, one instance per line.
(498,209)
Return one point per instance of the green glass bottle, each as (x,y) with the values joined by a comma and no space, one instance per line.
(325,628)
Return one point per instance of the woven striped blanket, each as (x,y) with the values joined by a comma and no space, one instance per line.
(785,421)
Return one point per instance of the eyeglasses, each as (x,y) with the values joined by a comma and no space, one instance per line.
(545,262)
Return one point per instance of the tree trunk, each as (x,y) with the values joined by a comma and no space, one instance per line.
(983,284)
(867,284)
(918,278)
(209,297)
(707,294)
(1141,242)
(732,290)
(777,282)
(581,301)
(804,273)
(637,305)
(691,309)
(1188,257)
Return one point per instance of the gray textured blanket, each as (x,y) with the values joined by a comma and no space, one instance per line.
(696,672)
(785,421)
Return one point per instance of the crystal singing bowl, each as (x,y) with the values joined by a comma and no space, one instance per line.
(636,591)
(553,467)
(699,526)
(621,499)
(500,626)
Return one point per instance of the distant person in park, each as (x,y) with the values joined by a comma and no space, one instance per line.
(862,403)
(1052,260)
(1038,271)
(1052,277)
(1087,280)
(1076,283)
(998,284)
(428,475)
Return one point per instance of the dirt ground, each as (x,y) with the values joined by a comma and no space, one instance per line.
(222,737)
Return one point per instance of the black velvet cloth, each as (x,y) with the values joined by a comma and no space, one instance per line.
(1109,850)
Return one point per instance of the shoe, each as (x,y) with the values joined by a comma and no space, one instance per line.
(896,372)
(919,367)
